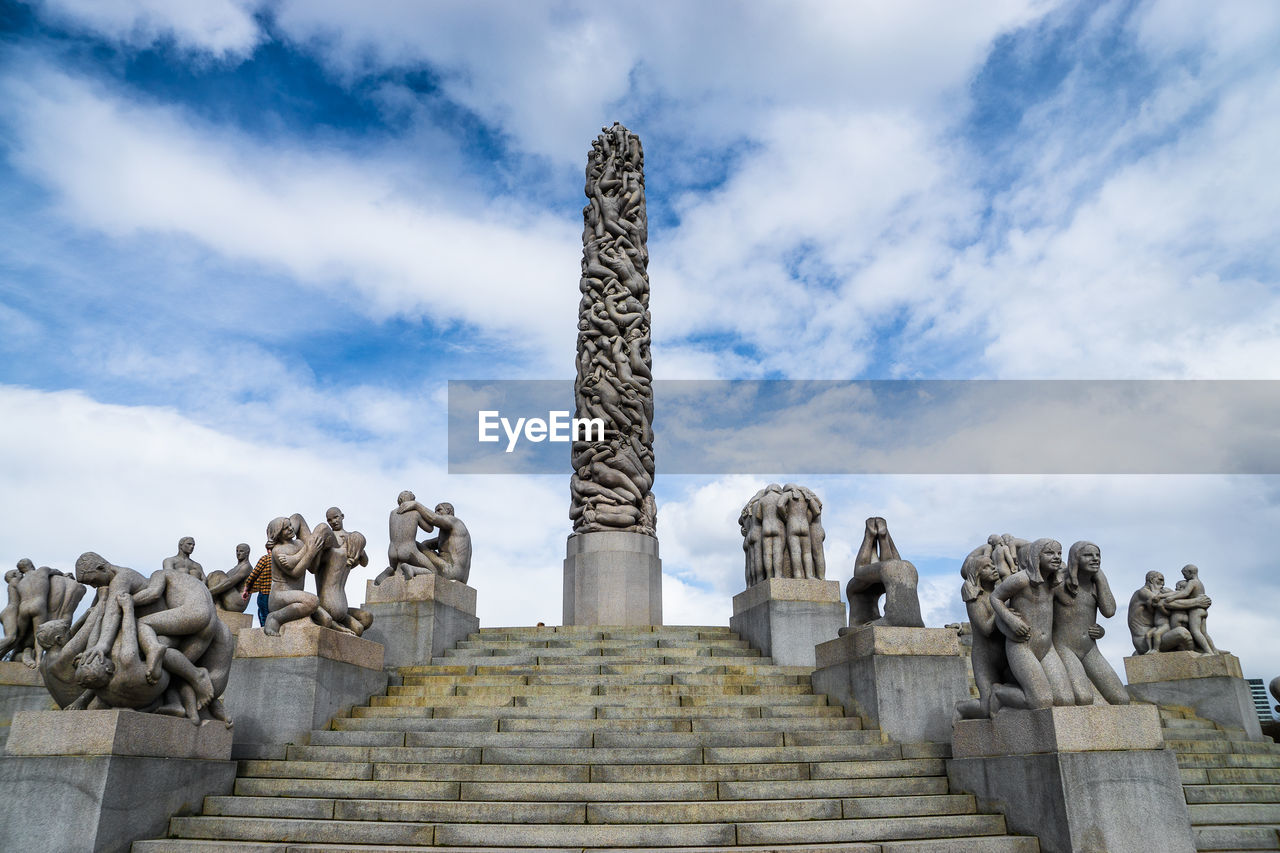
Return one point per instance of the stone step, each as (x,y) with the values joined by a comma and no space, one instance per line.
(598,812)
(641,641)
(1266,760)
(686,667)
(971,844)
(1236,837)
(652,677)
(646,754)
(585,835)
(1232,793)
(557,697)
(1225,813)
(586,739)
(1221,746)
(586,712)
(1230,776)
(607,631)
(588,689)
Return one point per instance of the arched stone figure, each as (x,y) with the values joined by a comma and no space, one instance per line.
(1077,602)
(226,587)
(880,570)
(1024,604)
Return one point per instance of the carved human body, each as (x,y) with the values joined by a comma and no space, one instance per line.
(182,562)
(449,552)
(1023,603)
(989,661)
(291,559)
(879,570)
(227,588)
(1149,626)
(333,567)
(36,596)
(1077,602)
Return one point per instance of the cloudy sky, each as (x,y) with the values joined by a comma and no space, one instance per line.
(244,245)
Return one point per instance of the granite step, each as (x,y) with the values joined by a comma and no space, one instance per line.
(598,739)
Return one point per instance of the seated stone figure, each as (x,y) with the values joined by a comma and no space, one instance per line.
(332,568)
(990,664)
(1190,592)
(1024,607)
(291,558)
(226,587)
(1082,595)
(880,570)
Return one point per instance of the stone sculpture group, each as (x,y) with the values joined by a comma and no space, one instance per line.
(782,534)
(1035,628)
(447,554)
(613,475)
(328,551)
(880,570)
(36,596)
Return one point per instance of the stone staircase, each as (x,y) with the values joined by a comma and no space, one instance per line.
(576,738)
(1232,784)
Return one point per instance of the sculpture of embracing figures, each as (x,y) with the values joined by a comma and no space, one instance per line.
(1164,620)
(1035,630)
(150,644)
(447,554)
(329,552)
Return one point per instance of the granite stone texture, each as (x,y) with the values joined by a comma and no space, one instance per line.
(20,690)
(283,687)
(1225,700)
(612,578)
(905,681)
(119,732)
(787,617)
(1083,802)
(99,780)
(100,803)
(1088,728)
(418,619)
(1169,666)
(235,621)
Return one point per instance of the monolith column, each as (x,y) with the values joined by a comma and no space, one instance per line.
(612,572)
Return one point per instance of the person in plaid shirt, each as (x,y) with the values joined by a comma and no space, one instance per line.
(259,581)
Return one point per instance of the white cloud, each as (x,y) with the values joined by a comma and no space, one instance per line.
(329,220)
(223,28)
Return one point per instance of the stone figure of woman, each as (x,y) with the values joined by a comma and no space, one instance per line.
(1023,603)
(1083,594)
(990,664)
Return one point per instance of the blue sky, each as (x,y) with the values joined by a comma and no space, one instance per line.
(244,245)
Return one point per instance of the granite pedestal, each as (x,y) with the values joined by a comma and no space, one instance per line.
(416,620)
(905,681)
(612,578)
(20,690)
(235,621)
(100,780)
(1210,685)
(283,687)
(1091,778)
(786,618)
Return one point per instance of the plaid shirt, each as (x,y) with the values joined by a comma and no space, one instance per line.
(259,579)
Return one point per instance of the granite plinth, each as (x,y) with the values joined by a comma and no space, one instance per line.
(905,681)
(1094,778)
(1212,686)
(21,689)
(417,619)
(117,732)
(1076,728)
(100,780)
(235,621)
(281,688)
(612,578)
(787,617)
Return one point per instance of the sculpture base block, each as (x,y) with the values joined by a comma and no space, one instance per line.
(281,688)
(1210,685)
(1079,778)
(21,689)
(418,619)
(235,621)
(905,681)
(612,578)
(122,775)
(785,618)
